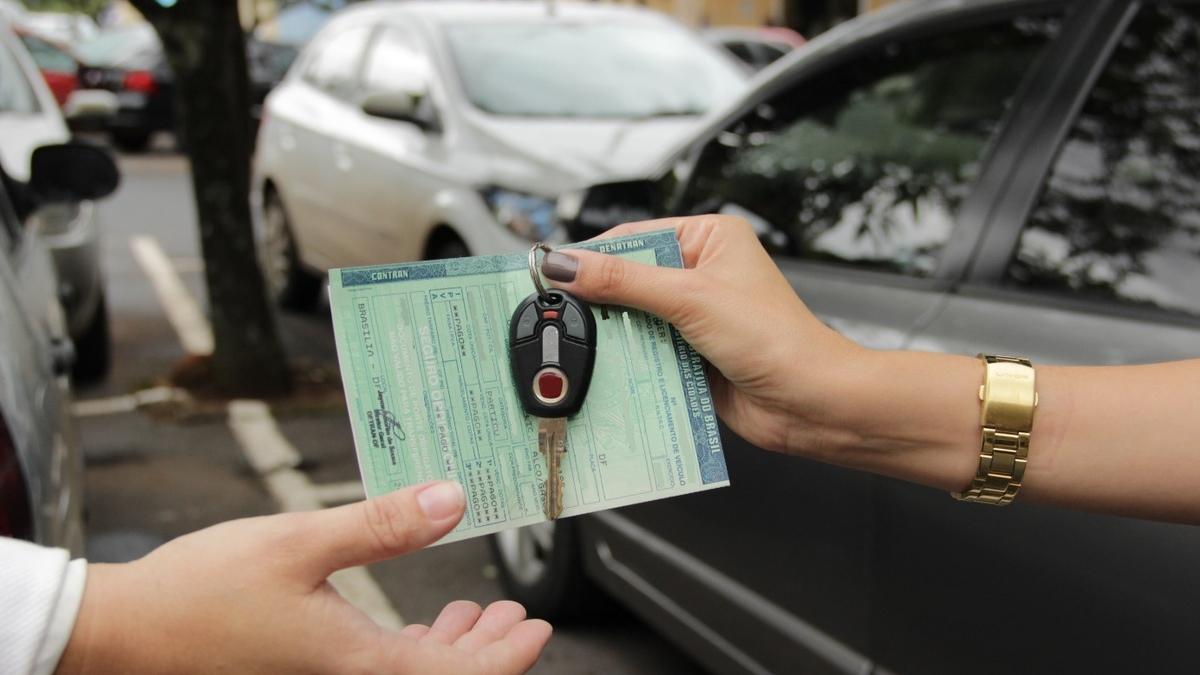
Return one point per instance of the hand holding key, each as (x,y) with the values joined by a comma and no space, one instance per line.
(732,304)
(552,348)
(785,381)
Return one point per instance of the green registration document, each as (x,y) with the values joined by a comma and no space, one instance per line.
(423,349)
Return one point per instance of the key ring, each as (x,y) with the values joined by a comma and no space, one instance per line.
(535,272)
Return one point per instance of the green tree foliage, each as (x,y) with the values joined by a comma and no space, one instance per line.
(1120,209)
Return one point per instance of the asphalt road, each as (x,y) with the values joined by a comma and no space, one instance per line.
(151,478)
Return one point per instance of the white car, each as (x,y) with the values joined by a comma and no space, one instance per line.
(66,27)
(420,130)
(30,118)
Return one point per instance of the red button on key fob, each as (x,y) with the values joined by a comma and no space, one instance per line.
(552,348)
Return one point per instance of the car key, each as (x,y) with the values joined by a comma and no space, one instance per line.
(552,348)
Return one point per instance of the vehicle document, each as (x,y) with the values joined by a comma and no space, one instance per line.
(423,349)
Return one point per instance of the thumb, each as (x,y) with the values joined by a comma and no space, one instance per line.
(384,527)
(609,279)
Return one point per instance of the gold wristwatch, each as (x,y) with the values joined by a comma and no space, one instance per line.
(1009,396)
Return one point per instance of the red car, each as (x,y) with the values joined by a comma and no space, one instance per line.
(59,66)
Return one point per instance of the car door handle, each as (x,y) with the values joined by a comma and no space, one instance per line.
(62,355)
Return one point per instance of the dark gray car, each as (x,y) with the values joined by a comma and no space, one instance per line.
(998,176)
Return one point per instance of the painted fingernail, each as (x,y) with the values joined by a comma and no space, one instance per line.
(441,500)
(558,266)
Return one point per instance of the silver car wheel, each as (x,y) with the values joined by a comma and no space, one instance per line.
(526,551)
(275,247)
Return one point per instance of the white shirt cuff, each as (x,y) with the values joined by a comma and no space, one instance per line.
(62,620)
(40,593)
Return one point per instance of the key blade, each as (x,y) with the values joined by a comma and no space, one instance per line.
(552,442)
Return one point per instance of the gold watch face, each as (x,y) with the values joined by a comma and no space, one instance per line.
(1009,397)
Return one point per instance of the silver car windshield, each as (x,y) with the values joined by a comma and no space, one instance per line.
(609,69)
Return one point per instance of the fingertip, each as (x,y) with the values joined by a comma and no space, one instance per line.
(381,527)
(443,502)
(508,607)
(616,280)
(522,646)
(560,266)
(495,623)
(532,632)
(461,607)
(415,631)
(456,619)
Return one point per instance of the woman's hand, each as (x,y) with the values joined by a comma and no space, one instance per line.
(787,382)
(777,367)
(251,596)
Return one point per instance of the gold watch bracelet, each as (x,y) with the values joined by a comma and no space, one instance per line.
(1008,398)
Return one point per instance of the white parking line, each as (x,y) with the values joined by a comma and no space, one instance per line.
(182,311)
(275,459)
(266,448)
(271,455)
(340,493)
(114,405)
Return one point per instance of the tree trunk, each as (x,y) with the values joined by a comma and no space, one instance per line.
(206,49)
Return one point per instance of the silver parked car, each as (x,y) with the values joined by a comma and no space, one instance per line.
(999,176)
(29,118)
(41,467)
(419,130)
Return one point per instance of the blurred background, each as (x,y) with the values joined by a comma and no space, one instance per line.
(1001,176)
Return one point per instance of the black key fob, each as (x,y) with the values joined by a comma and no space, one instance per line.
(552,348)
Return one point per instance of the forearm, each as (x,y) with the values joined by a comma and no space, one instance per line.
(1121,439)
(1112,439)
(98,635)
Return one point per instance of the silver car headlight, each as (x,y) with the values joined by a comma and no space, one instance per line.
(529,216)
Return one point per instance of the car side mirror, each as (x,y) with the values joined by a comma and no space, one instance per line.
(402,107)
(72,172)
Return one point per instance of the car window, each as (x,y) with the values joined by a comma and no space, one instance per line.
(614,68)
(16,95)
(867,162)
(1119,217)
(335,66)
(395,63)
(742,50)
(47,56)
(774,50)
(769,52)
